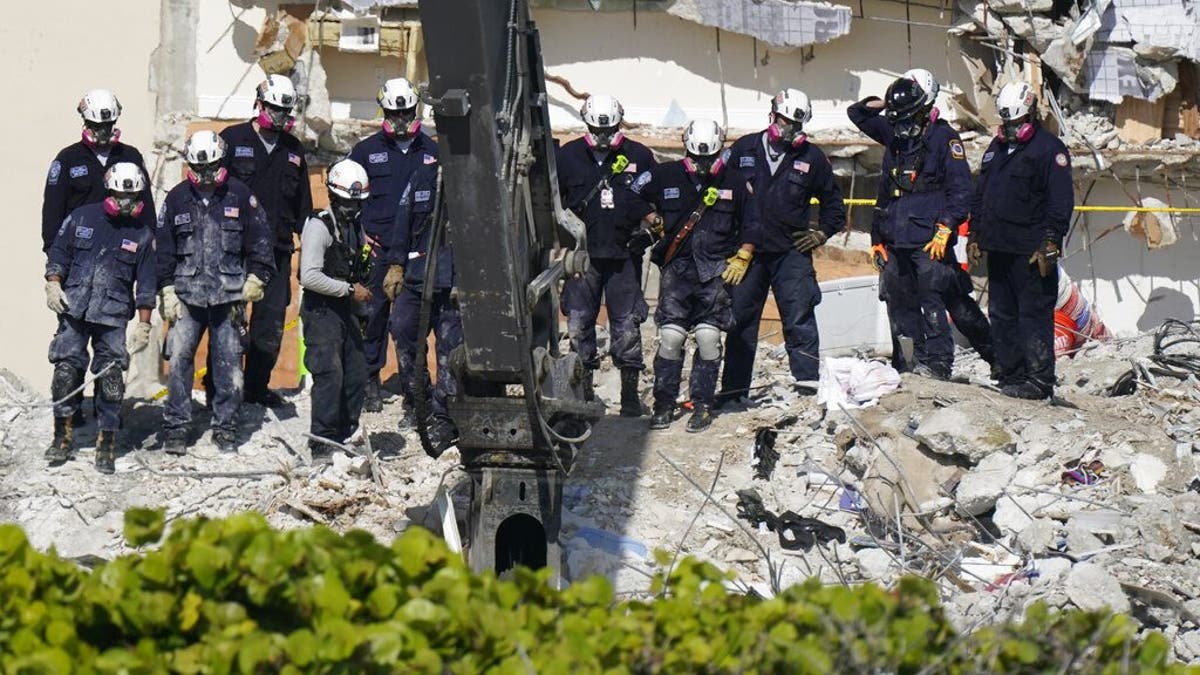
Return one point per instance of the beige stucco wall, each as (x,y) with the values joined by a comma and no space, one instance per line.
(51,55)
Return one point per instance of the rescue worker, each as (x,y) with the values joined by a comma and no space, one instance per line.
(214,256)
(333,274)
(707,220)
(270,161)
(390,157)
(784,172)
(1022,208)
(77,173)
(408,256)
(100,252)
(964,311)
(924,193)
(592,170)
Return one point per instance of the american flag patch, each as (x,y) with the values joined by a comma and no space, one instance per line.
(294,158)
(802,167)
(130,246)
(231,212)
(430,159)
(725,194)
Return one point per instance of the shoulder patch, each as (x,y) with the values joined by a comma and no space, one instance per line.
(294,158)
(671,193)
(253,202)
(183,218)
(243,151)
(79,171)
(746,161)
(800,166)
(956,149)
(421,195)
(1062,160)
(430,159)
(640,182)
(55,172)
(987,156)
(83,232)
(232,211)
(377,158)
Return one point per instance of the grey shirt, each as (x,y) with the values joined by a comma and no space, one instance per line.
(314,241)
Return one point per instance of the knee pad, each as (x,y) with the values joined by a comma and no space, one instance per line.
(708,342)
(66,379)
(670,342)
(111,385)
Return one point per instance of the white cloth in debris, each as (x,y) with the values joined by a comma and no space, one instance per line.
(855,383)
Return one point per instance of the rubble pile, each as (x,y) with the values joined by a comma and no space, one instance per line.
(1089,501)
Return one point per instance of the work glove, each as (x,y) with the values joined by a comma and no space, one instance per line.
(807,240)
(252,290)
(974,253)
(393,281)
(657,227)
(56,299)
(1045,257)
(169,306)
(879,257)
(736,266)
(139,339)
(936,248)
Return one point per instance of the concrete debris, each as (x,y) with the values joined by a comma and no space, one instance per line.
(1158,230)
(781,23)
(944,479)
(1091,587)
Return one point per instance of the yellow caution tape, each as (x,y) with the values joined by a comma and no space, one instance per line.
(204,371)
(1101,209)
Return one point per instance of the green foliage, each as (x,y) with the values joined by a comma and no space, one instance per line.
(233,595)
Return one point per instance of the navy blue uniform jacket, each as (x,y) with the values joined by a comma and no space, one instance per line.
(76,178)
(413,231)
(783,199)
(279,180)
(924,182)
(674,193)
(608,230)
(1025,197)
(99,258)
(389,168)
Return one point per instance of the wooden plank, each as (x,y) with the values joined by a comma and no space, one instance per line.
(1140,121)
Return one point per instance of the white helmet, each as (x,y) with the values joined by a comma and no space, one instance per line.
(1016,100)
(703,138)
(277,91)
(348,179)
(204,147)
(397,94)
(602,111)
(792,104)
(99,106)
(124,182)
(124,177)
(926,81)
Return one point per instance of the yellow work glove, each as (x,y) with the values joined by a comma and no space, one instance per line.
(393,281)
(936,248)
(878,257)
(736,266)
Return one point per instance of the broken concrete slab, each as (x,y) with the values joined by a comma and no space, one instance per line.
(1037,536)
(980,488)
(1147,472)
(1091,587)
(968,431)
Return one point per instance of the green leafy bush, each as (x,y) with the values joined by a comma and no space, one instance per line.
(234,595)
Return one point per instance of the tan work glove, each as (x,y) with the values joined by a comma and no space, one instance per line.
(806,240)
(974,253)
(56,299)
(252,290)
(393,281)
(169,306)
(139,339)
(1045,257)
(736,266)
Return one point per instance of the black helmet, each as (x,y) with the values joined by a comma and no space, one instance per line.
(904,100)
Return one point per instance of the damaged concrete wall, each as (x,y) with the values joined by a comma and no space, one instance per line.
(49,62)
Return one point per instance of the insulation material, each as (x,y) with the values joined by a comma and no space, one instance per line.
(1158,230)
(280,41)
(1113,73)
(780,23)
